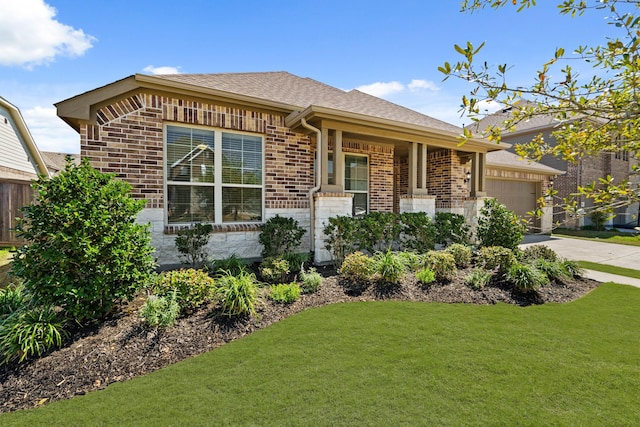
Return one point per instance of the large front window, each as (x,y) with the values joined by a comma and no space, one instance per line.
(213,176)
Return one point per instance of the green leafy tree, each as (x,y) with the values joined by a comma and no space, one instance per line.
(596,111)
(85,252)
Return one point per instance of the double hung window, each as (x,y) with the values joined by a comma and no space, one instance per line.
(213,176)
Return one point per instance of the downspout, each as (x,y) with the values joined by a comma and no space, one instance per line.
(314,190)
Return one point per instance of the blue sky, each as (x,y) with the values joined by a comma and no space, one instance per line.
(51,50)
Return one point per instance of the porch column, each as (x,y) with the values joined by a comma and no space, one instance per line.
(417,168)
(478,172)
(337,186)
(324,168)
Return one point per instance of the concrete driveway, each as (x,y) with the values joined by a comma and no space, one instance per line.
(594,251)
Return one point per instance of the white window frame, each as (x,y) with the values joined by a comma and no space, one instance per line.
(217,183)
(344,176)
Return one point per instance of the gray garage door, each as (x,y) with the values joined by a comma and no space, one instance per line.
(518,196)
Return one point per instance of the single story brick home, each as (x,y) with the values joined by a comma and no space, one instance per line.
(236,149)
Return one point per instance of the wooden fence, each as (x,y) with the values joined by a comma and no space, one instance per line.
(13,196)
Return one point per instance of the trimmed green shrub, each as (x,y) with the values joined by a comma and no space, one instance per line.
(478,278)
(341,237)
(238,295)
(462,254)
(85,251)
(280,236)
(378,231)
(496,258)
(418,232)
(498,226)
(311,281)
(275,270)
(284,293)
(441,263)
(194,287)
(425,276)
(358,267)
(451,228)
(233,265)
(526,277)
(389,267)
(191,242)
(30,331)
(161,311)
(599,218)
(534,252)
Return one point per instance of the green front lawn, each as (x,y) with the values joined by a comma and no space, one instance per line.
(611,269)
(622,238)
(396,363)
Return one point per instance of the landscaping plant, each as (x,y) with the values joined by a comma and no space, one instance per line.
(191,243)
(284,293)
(478,278)
(85,251)
(238,295)
(451,228)
(526,277)
(358,267)
(161,311)
(534,252)
(274,270)
(462,254)
(498,226)
(389,267)
(194,287)
(418,232)
(496,258)
(443,264)
(280,236)
(425,276)
(233,265)
(311,281)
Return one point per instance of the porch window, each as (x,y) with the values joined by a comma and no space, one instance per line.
(356,181)
(213,176)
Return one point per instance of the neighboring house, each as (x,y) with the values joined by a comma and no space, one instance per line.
(56,162)
(518,184)
(20,162)
(237,149)
(583,172)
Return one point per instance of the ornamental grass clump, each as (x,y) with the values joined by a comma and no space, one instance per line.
(526,278)
(237,295)
(389,267)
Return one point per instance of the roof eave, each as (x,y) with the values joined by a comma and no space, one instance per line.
(34,152)
(314,111)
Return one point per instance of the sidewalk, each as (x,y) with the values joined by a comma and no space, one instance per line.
(594,251)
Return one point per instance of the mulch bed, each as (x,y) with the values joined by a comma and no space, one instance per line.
(122,347)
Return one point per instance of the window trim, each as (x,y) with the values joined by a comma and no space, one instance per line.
(344,175)
(217,183)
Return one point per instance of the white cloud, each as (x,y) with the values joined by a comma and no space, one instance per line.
(49,131)
(381,89)
(488,106)
(422,84)
(29,35)
(161,70)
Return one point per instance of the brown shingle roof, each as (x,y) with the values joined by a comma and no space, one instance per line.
(301,92)
(57,161)
(507,159)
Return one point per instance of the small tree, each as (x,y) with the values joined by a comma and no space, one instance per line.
(498,226)
(85,252)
